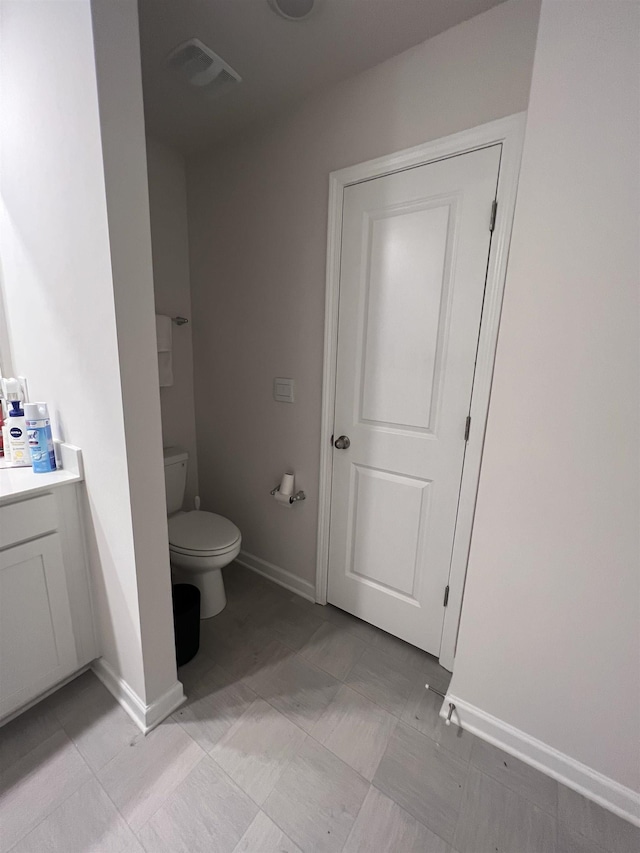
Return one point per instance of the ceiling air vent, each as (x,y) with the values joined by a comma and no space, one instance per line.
(200,66)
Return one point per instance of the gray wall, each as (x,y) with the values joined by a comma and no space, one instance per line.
(257,230)
(550,632)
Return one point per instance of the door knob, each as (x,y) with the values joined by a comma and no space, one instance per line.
(342,443)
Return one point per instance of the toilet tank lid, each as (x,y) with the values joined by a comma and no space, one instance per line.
(172,455)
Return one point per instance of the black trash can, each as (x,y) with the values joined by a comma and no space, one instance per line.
(186,621)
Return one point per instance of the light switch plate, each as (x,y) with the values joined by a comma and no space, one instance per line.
(283,390)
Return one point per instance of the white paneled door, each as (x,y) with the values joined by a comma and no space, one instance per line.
(415,246)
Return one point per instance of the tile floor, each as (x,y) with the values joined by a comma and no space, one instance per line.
(305,730)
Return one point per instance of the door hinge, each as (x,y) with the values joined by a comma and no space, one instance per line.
(467,428)
(446,596)
(494,211)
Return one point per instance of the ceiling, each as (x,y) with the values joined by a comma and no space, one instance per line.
(280,61)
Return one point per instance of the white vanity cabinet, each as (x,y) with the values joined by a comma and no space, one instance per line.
(46,623)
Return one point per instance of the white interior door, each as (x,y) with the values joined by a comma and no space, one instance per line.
(414,253)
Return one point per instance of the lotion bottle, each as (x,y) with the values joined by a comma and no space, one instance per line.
(18,444)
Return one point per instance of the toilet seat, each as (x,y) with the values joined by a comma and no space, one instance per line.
(202,534)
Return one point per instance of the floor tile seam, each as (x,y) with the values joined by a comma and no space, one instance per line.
(273,819)
(438,744)
(554,818)
(348,630)
(452,843)
(108,796)
(7,767)
(297,653)
(313,666)
(137,831)
(405,668)
(572,831)
(202,676)
(282,713)
(407,671)
(237,785)
(378,705)
(94,770)
(113,803)
(47,815)
(413,817)
(519,793)
(199,695)
(329,749)
(326,671)
(352,769)
(231,674)
(179,723)
(309,735)
(6,770)
(416,670)
(384,710)
(390,656)
(236,723)
(262,811)
(355,820)
(61,802)
(289,646)
(94,684)
(341,760)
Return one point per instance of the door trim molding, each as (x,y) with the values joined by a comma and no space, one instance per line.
(509,132)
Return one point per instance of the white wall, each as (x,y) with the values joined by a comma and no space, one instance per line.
(257,230)
(550,633)
(170,244)
(117,53)
(79,301)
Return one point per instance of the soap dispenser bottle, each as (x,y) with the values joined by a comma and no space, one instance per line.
(17,428)
(18,444)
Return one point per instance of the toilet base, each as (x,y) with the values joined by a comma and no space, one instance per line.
(213,598)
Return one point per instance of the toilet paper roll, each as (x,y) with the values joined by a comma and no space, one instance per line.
(286,484)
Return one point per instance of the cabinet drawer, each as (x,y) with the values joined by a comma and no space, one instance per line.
(27,519)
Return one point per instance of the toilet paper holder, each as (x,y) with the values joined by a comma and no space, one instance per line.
(287,499)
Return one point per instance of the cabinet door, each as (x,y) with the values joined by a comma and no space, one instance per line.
(37,646)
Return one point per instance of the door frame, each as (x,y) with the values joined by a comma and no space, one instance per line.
(509,132)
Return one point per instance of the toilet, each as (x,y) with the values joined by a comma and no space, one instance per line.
(200,543)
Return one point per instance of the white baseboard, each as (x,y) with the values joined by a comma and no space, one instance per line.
(595,786)
(277,575)
(146,717)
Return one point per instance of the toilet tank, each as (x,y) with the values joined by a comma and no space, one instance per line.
(175,477)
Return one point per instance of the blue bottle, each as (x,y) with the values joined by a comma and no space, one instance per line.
(43,458)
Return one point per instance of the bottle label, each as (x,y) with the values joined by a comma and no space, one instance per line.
(15,432)
(40,443)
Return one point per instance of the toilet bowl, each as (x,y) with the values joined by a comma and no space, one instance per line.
(201,543)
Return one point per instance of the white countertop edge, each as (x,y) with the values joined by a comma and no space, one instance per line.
(17,483)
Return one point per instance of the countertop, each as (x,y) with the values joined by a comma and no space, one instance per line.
(17,483)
